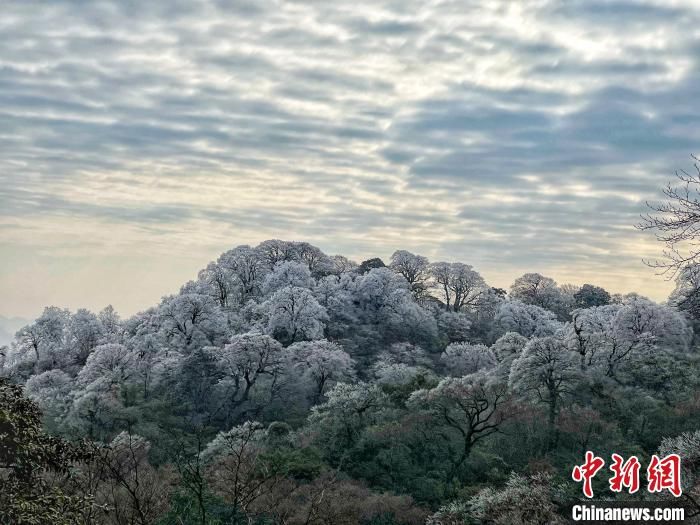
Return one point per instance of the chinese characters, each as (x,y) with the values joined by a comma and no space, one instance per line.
(662,474)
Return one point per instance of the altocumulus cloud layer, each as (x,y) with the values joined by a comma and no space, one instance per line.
(138,140)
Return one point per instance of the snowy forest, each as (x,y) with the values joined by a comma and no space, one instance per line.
(287,386)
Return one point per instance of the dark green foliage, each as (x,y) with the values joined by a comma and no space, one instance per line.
(185,510)
(302,464)
(29,461)
(369,264)
(590,295)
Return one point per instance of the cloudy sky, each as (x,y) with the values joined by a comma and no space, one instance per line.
(138,140)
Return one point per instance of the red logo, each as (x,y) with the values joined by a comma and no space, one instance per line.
(662,474)
(626,474)
(665,474)
(587,472)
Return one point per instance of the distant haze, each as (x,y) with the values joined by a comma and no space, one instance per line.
(8,327)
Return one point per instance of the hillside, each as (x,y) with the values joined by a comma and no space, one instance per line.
(284,385)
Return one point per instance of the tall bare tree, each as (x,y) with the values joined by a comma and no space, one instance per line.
(676,222)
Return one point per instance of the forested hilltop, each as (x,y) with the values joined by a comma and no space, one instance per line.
(286,386)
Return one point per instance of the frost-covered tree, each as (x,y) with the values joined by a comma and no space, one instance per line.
(400,374)
(546,372)
(43,341)
(151,362)
(4,351)
(294,314)
(335,294)
(236,468)
(95,409)
(484,313)
(380,294)
(322,363)
(406,353)
(536,289)
(191,320)
(453,326)
(192,382)
(348,410)
(112,325)
(247,269)
(522,501)
(220,283)
(318,263)
(586,332)
(666,326)
(275,251)
(461,359)
(667,375)
(112,363)
(287,273)
(401,364)
(413,268)
(525,319)
(147,336)
(339,264)
(686,295)
(687,446)
(458,285)
(469,409)
(611,336)
(508,347)
(251,363)
(51,390)
(83,333)
(384,302)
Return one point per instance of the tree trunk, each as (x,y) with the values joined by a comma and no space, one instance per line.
(551,424)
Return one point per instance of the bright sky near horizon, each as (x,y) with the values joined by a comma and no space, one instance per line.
(139,140)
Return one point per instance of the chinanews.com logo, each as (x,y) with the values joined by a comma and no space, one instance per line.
(662,475)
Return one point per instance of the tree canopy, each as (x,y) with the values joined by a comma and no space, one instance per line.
(287,386)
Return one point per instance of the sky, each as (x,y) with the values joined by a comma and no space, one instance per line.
(139,140)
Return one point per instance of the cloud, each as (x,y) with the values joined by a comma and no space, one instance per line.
(516,136)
